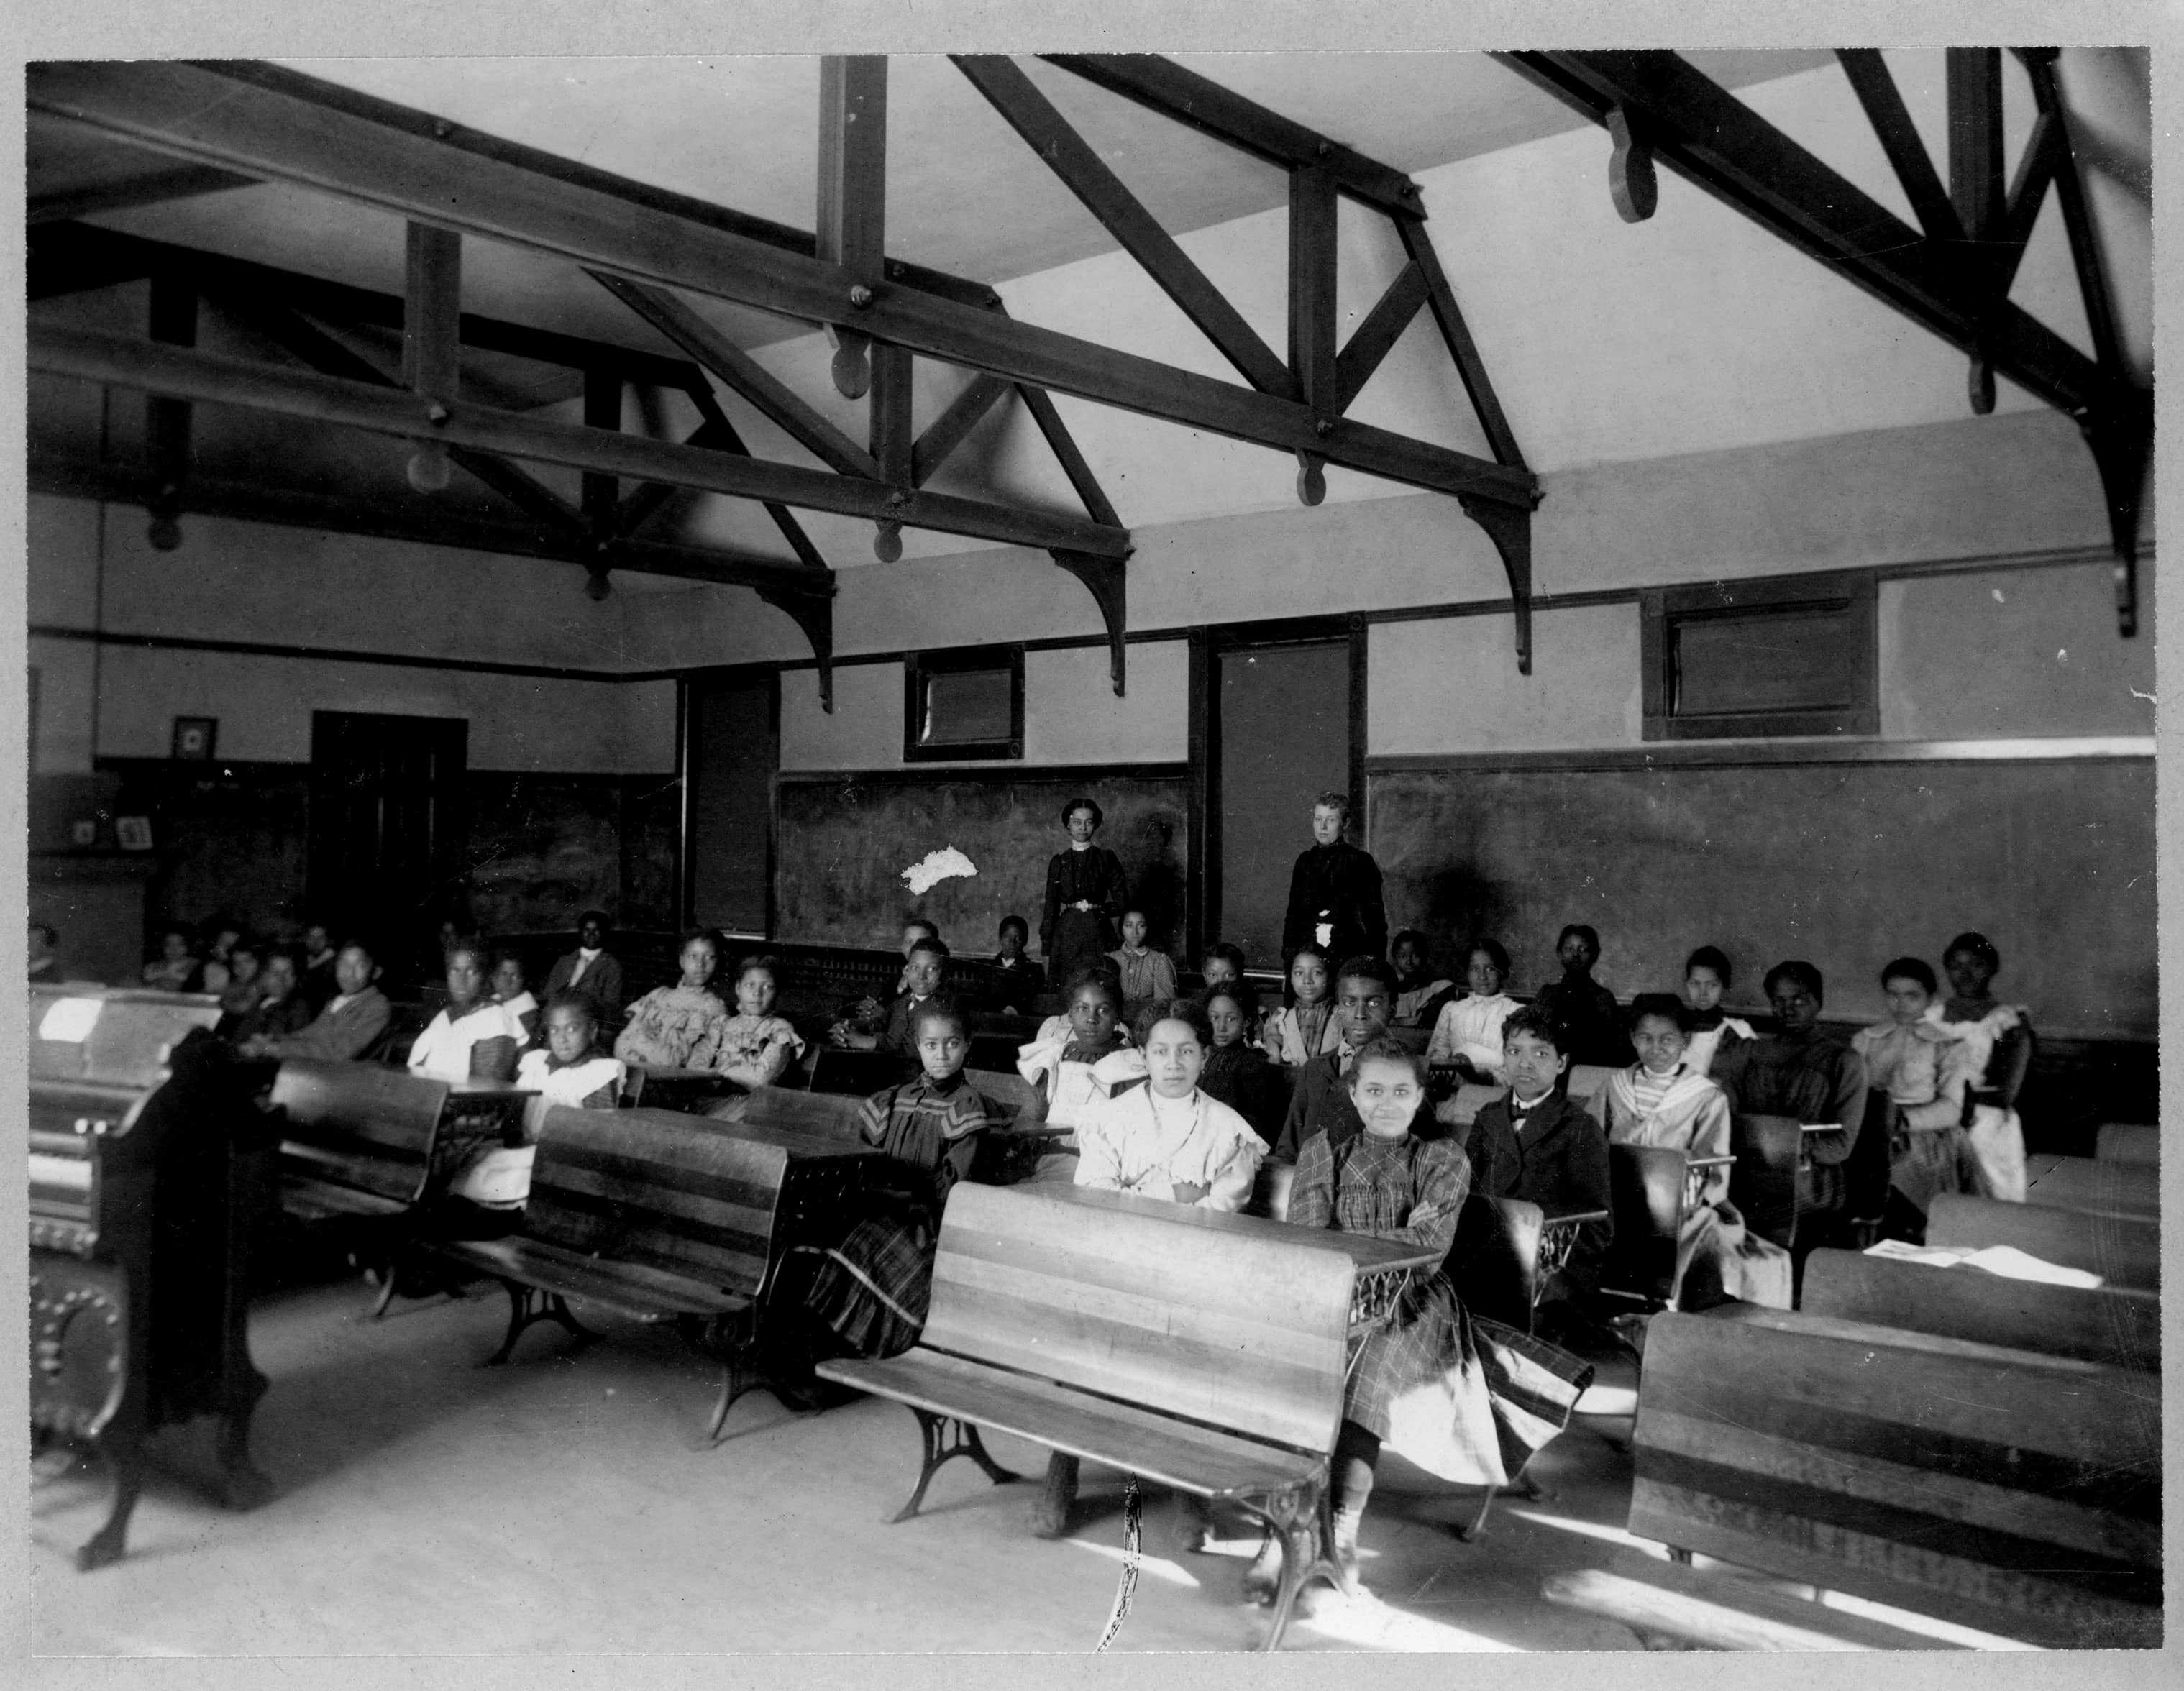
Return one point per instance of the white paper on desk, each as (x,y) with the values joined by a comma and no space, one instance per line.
(69,1021)
(2006,1260)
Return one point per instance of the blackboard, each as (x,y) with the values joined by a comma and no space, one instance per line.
(841,845)
(1847,866)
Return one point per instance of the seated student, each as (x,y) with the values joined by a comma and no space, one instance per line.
(492,1179)
(1231,1059)
(591,969)
(570,1068)
(245,963)
(1431,1383)
(351,1023)
(1164,1140)
(475,1036)
(1536,1144)
(214,976)
(1591,1019)
(1016,980)
(280,1008)
(1468,1031)
(512,995)
(1074,1065)
(1706,978)
(678,1026)
(1998,1037)
(1799,1071)
(756,1046)
(1420,992)
(1662,1100)
(1319,1103)
(1148,975)
(872,1290)
(1926,1072)
(921,975)
(317,980)
(1308,1028)
(175,970)
(869,1015)
(1223,963)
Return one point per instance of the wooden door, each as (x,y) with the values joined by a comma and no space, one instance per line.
(729,763)
(1282,730)
(389,826)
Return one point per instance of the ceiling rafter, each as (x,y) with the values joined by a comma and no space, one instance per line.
(257,118)
(1714,141)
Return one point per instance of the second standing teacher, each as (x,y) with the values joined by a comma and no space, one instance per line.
(1085,896)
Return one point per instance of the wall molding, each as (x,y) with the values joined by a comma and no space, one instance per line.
(1754,754)
(330,654)
(925,774)
(1980,564)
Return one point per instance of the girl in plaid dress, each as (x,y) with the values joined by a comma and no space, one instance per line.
(1464,1398)
(872,1289)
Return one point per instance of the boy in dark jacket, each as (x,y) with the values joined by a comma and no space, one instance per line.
(1537,1145)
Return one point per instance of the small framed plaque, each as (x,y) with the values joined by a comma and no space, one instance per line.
(194,736)
(134,833)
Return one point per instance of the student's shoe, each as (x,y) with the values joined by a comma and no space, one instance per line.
(1262,1580)
(1194,1523)
(1050,1515)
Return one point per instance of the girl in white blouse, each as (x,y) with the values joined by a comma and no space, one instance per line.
(1168,1139)
(1470,1030)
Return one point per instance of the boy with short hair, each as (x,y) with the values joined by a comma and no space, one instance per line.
(1017,981)
(1364,996)
(1536,1144)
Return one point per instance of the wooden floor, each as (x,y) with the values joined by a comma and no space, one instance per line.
(563,1504)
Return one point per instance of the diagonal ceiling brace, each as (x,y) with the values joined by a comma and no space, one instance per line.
(2119,428)
(290,330)
(1048,133)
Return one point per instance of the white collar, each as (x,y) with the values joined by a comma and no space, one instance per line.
(588,953)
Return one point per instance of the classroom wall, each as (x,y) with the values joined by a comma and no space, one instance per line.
(1071,713)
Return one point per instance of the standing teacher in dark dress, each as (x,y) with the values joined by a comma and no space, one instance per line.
(1334,890)
(1085,897)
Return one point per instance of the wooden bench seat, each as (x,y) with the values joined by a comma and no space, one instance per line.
(2117,1188)
(357,1139)
(2120,1325)
(2004,1489)
(1670,1607)
(1210,1358)
(662,1217)
(2124,1250)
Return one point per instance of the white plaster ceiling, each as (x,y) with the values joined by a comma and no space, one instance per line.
(1693,332)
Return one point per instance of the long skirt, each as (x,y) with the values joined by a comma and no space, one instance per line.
(1462,1397)
(1081,938)
(874,1288)
(1926,1162)
(1719,1258)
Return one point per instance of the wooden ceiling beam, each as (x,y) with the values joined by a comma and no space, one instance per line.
(1160,85)
(315,139)
(1373,339)
(410,519)
(1028,112)
(207,379)
(151,187)
(71,257)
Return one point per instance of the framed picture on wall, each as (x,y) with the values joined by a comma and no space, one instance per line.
(194,736)
(133,832)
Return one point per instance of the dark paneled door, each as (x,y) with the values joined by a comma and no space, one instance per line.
(731,759)
(1282,734)
(388,828)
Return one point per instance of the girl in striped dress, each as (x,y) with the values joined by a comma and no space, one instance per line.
(1463,1397)
(872,1291)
